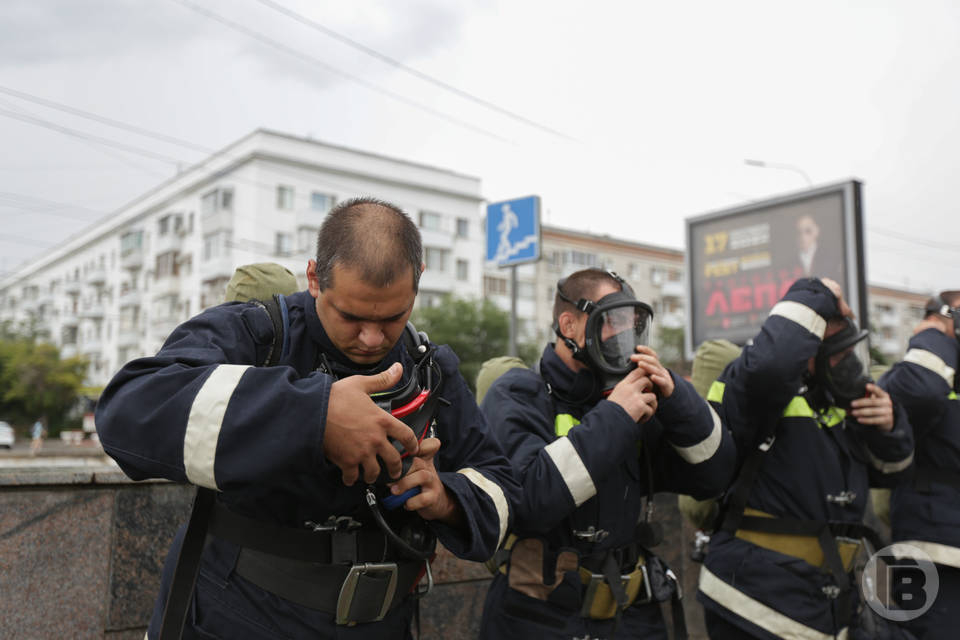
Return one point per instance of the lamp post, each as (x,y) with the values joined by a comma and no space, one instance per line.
(778,165)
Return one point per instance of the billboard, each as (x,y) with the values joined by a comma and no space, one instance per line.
(741,261)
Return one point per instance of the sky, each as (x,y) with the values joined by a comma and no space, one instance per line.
(626,118)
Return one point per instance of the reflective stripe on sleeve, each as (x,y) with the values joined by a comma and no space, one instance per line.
(889,467)
(703,450)
(802,315)
(931,361)
(495,493)
(572,470)
(758,613)
(940,553)
(205,421)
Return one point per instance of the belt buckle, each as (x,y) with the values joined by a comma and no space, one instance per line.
(349,590)
(646,593)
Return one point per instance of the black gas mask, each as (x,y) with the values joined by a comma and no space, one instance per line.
(846,379)
(616,324)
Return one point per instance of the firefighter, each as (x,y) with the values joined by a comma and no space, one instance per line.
(812,433)
(593,436)
(306,454)
(925,511)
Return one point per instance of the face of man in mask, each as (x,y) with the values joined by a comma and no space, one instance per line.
(837,369)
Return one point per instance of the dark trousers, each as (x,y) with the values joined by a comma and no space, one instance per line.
(942,620)
(719,629)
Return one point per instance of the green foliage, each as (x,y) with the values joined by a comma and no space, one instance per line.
(476,330)
(35,383)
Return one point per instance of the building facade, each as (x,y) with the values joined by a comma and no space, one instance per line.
(656,274)
(116,290)
(893,315)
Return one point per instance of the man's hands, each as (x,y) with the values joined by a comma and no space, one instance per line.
(875,409)
(357,429)
(842,307)
(434,502)
(648,360)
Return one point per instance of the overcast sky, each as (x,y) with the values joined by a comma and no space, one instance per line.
(625,117)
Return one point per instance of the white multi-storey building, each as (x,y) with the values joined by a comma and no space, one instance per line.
(893,315)
(115,291)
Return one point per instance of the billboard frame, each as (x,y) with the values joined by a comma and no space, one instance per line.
(851,192)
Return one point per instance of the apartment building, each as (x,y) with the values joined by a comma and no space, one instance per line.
(115,291)
(893,315)
(655,273)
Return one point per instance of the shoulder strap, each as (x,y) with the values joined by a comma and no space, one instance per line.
(416,342)
(276,308)
(188,565)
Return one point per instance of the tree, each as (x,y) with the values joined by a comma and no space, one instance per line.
(476,330)
(35,383)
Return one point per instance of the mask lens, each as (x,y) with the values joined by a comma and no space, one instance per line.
(847,379)
(621,329)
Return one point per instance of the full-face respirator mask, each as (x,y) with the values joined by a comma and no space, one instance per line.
(616,324)
(846,378)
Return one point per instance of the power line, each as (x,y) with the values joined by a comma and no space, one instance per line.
(40,122)
(260,37)
(948,246)
(415,72)
(103,119)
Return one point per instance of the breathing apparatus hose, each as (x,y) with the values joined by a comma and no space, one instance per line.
(404,546)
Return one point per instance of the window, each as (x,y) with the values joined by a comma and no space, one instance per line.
(166,265)
(321,201)
(170,223)
(430,220)
(583,259)
(436,259)
(494,286)
(216,244)
(283,244)
(217,200)
(284,197)
(463,228)
(130,242)
(463,267)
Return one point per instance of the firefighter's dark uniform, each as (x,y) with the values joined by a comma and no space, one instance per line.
(202,411)
(925,511)
(816,468)
(584,479)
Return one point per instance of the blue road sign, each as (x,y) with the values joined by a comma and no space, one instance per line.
(513,231)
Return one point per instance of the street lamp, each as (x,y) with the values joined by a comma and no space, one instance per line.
(778,165)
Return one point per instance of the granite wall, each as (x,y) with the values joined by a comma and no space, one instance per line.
(81,551)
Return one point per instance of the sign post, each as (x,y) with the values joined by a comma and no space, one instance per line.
(513,237)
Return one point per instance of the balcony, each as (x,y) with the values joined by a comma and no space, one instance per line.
(93,313)
(130,298)
(132,259)
(217,221)
(91,347)
(170,241)
(72,287)
(96,277)
(68,350)
(129,338)
(165,286)
(672,289)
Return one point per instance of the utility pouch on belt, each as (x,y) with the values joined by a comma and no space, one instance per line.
(606,593)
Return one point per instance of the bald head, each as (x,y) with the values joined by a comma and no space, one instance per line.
(372,237)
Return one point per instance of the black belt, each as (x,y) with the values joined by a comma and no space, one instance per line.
(362,592)
(330,546)
(339,569)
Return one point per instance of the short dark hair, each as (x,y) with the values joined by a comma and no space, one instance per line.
(580,284)
(370,235)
